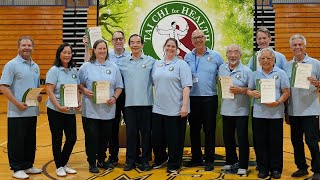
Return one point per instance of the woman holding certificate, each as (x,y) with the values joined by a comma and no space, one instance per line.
(101,84)
(234,79)
(62,88)
(172,83)
(270,87)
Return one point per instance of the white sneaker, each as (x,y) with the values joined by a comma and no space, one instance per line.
(20,175)
(242,172)
(226,167)
(60,172)
(33,170)
(69,170)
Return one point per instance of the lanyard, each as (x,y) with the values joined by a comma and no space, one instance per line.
(196,64)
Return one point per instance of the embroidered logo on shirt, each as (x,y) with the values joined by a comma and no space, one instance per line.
(275,77)
(238,76)
(171,68)
(36,70)
(143,66)
(209,59)
(108,71)
(160,65)
(74,76)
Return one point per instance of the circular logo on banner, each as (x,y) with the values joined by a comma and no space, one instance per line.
(174,19)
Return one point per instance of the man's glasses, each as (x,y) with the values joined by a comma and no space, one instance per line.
(118,39)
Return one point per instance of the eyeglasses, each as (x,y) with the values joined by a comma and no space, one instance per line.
(198,37)
(118,39)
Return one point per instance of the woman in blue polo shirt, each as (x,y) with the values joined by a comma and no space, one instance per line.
(62,118)
(268,117)
(172,83)
(97,118)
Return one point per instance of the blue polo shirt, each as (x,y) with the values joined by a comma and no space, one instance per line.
(21,75)
(304,102)
(205,68)
(239,106)
(282,82)
(94,71)
(59,76)
(137,80)
(281,61)
(169,81)
(113,57)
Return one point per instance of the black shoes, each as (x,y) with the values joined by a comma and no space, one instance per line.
(300,173)
(208,166)
(263,175)
(276,174)
(105,165)
(145,166)
(158,165)
(113,161)
(194,163)
(129,167)
(93,168)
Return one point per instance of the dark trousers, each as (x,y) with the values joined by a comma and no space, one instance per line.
(21,142)
(309,126)
(230,125)
(138,119)
(97,134)
(269,144)
(203,114)
(59,123)
(168,131)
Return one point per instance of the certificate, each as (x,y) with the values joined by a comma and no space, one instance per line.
(101,91)
(300,73)
(256,63)
(267,88)
(93,33)
(225,83)
(69,95)
(30,97)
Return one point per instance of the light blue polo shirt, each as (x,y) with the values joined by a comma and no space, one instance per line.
(304,102)
(205,68)
(281,61)
(169,81)
(113,57)
(21,75)
(137,80)
(59,76)
(89,72)
(239,106)
(282,82)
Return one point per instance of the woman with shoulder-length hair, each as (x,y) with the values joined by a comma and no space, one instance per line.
(97,118)
(62,118)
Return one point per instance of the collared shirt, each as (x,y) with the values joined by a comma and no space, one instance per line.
(281,61)
(59,76)
(205,69)
(304,102)
(94,71)
(113,57)
(239,106)
(137,79)
(169,81)
(21,75)
(282,82)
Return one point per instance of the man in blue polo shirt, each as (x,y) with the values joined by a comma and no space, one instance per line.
(20,74)
(304,111)
(204,64)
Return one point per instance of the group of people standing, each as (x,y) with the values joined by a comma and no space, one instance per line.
(157,98)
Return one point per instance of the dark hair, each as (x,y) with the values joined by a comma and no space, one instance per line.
(264,30)
(25,37)
(93,56)
(57,61)
(121,32)
(142,41)
(171,39)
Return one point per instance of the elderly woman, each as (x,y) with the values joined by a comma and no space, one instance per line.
(172,82)
(97,122)
(235,111)
(268,117)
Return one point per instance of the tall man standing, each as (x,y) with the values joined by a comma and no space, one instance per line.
(204,64)
(304,111)
(20,74)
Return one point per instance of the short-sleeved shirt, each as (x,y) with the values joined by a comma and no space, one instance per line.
(239,106)
(94,71)
(113,57)
(205,69)
(59,76)
(282,82)
(169,81)
(20,75)
(281,61)
(137,79)
(304,102)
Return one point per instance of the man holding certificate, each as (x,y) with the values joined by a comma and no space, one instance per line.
(18,76)
(304,107)
(235,110)
(99,79)
(62,88)
(270,87)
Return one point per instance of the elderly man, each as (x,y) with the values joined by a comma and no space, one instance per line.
(204,64)
(235,112)
(20,74)
(304,110)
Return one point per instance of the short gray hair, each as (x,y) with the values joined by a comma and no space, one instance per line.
(298,36)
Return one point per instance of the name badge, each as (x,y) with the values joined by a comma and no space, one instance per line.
(195,78)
